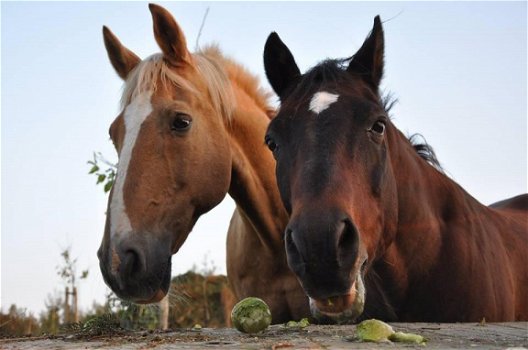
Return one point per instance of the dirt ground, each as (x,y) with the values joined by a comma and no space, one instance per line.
(440,336)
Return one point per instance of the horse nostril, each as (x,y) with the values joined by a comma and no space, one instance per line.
(295,260)
(132,264)
(347,243)
(291,247)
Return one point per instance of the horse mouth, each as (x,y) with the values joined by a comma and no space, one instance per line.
(157,296)
(334,305)
(342,308)
(163,281)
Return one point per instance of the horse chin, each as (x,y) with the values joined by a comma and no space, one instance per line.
(342,309)
(158,295)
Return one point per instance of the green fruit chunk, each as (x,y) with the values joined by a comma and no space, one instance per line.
(290,324)
(407,338)
(304,323)
(301,324)
(373,330)
(251,315)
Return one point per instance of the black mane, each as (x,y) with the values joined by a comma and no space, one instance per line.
(425,151)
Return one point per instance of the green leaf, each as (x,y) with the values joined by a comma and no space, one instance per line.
(101,178)
(93,169)
(108,186)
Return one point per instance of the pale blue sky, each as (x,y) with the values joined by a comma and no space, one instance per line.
(457,68)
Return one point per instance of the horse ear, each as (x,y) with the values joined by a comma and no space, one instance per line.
(169,36)
(123,60)
(279,64)
(368,61)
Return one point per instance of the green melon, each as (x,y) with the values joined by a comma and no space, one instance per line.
(251,315)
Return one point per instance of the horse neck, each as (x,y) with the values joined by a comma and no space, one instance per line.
(253,184)
(429,203)
(425,195)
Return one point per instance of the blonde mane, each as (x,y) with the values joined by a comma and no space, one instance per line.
(245,80)
(217,71)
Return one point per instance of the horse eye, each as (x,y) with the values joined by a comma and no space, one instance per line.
(378,127)
(181,122)
(270,143)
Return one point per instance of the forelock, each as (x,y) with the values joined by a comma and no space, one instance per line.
(153,73)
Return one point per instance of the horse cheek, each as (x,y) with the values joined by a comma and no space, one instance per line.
(214,175)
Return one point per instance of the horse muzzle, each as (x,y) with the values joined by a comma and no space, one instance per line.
(135,269)
(324,251)
(342,308)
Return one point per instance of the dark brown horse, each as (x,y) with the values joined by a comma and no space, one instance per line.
(376,228)
(190,132)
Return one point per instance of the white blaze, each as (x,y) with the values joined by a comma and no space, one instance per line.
(321,101)
(135,114)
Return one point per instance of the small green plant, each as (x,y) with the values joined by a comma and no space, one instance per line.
(104,324)
(132,316)
(68,273)
(116,316)
(104,170)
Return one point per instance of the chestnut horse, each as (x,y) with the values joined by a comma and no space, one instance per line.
(190,132)
(376,228)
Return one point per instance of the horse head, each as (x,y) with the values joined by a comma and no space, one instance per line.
(174,158)
(330,142)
